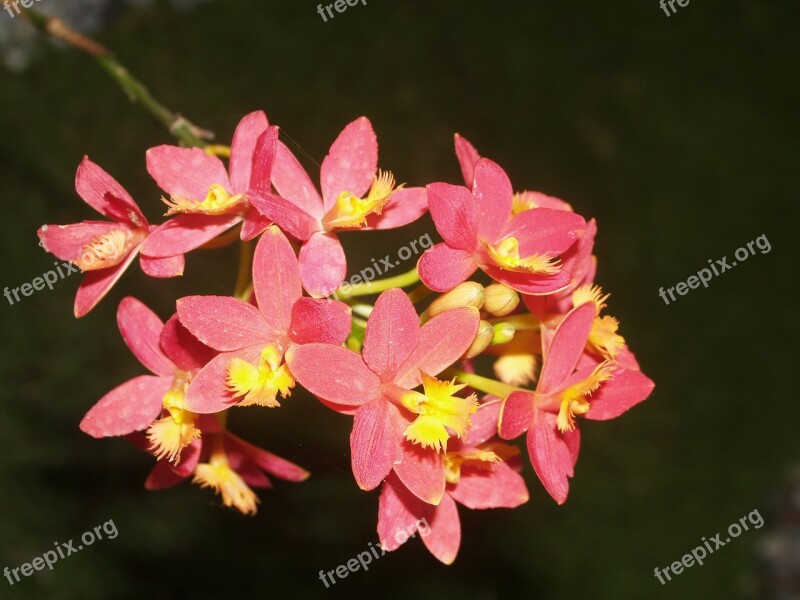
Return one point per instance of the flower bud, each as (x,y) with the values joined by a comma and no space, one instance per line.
(500,300)
(503,333)
(468,293)
(482,341)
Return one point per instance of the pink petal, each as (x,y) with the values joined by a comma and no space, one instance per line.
(184,233)
(170,266)
(294,184)
(351,162)
(141,329)
(544,201)
(271,463)
(467,157)
(442,341)
(545,231)
(180,346)
(104,194)
(96,284)
(208,393)
(405,206)
(242,148)
(188,458)
(333,373)
(566,348)
(500,487)
(130,407)
(493,197)
(573,441)
(263,160)
(455,215)
(627,389)
(224,323)
(67,241)
(422,472)
(392,333)
(375,441)
(276,279)
(186,172)
(320,320)
(162,477)
(442,268)
(322,264)
(550,455)
(530,283)
(444,537)
(289,217)
(516,415)
(253,224)
(248,470)
(578,259)
(484,423)
(399,514)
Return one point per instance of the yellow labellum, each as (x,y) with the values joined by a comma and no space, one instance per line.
(261,384)
(351,212)
(506,256)
(573,399)
(170,435)
(226,482)
(217,202)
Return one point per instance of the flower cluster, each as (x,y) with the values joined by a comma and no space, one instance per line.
(427,428)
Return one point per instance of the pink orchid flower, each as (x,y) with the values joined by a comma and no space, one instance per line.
(355,194)
(480,472)
(253,340)
(479,232)
(208,198)
(568,378)
(398,355)
(174,357)
(104,249)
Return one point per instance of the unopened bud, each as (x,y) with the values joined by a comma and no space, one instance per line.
(503,333)
(468,293)
(500,300)
(482,341)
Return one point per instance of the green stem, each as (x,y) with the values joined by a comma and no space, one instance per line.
(376,287)
(483,384)
(243,285)
(188,133)
(419,293)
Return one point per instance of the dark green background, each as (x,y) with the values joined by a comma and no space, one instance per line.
(678,134)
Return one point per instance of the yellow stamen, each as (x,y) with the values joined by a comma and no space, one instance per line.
(485,456)
(506,256)
(603,338)
(217,202)
(260,385)
(523,201)
(170,435)
(439,412)
(108,250)
(351,212)
(573,399)
(218,475)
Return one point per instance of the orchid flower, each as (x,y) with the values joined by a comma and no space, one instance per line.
(377,385)
(104,249)
(355,195)
(253,340)
(479,232)
(570,384)
(480,472)
(207,198)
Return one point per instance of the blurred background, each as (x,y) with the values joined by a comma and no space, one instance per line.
(679,134)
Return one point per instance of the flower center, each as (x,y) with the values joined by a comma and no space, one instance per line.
(351,212)
(170,435)
(260,384)
(573,399)
(484,456)
(218,475)
(218,201)
(506,256)
(440,412)
(108,249)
